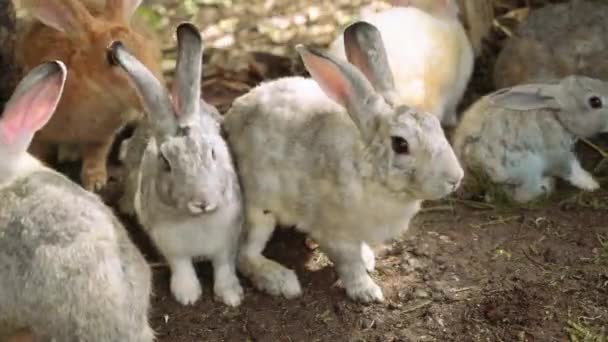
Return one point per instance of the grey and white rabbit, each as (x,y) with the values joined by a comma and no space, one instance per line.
(332,157)
(68,271)
(522,137)
(187,197)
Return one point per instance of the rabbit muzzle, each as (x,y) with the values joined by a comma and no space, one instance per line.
(200,207)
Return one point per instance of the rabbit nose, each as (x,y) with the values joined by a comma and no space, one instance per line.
(454,183)
(199,207)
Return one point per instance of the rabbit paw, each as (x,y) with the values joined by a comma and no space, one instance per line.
(185,288)
(230,293)
(272,277)
(365,290)
(586,182)
(369,259)
(94,179)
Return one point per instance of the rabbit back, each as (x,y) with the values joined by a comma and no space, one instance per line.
(556,41)
(68,272)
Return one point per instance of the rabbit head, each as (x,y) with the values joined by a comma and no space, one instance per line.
(580,103)
(189,153)
(28,110)
(408,148)
(88,34)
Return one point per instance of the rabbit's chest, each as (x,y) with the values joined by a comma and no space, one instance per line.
(197,236)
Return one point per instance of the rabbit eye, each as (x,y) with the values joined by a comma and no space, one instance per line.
(595,102)
(400,145)
(165,162)
(213,154)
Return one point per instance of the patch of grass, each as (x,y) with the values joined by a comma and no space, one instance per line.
(578,332)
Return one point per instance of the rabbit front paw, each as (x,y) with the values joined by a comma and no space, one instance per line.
(369,259)
(185,287)
(94,179)
(230,292)
(364,290)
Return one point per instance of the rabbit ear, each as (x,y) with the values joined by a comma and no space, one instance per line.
(365,50)
(67,16)
(343,83)
(153,94)
(121,9)
(527,97)
(187,85)
(31,105)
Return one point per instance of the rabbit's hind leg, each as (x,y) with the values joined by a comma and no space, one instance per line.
(266,275)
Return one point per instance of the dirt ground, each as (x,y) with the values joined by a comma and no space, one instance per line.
(465,271)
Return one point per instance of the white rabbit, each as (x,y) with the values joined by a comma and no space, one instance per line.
(188,197)
(68,271)
(332,157)
(429,54)
(522,137)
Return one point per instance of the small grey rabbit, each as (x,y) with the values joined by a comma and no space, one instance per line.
(555,41)
(332,157)
(522,137)
(68,271)
(187,196)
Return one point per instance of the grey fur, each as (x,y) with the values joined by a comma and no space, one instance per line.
(68,271)
(555,41)
(183,186)
(523,137)
(305,161)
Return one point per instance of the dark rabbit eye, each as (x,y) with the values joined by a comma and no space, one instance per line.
(595,102)
(165,162)
(213,154)
(400,145)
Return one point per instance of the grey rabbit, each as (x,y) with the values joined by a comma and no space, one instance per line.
(556,41)
(68,270)
(522,137)
(334,158)
(185,190)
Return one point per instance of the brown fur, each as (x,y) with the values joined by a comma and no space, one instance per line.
(97,97)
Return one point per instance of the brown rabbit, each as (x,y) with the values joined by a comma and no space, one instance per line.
(98,99)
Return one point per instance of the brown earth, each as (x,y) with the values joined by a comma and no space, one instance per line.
(466,270)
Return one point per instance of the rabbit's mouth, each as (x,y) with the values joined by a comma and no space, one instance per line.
(197,208)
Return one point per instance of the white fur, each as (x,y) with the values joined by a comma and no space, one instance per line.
(430,56)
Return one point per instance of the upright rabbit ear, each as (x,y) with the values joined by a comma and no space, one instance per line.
(365,50)
(346,85)
(187,85)
(527,97)
(68,16)
(31,105)
(121,9)
(152,92)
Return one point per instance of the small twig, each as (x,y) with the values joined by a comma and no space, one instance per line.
(475,204)
(438,208)
(497,221)
(158,265)
(417,306)
(535,262)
